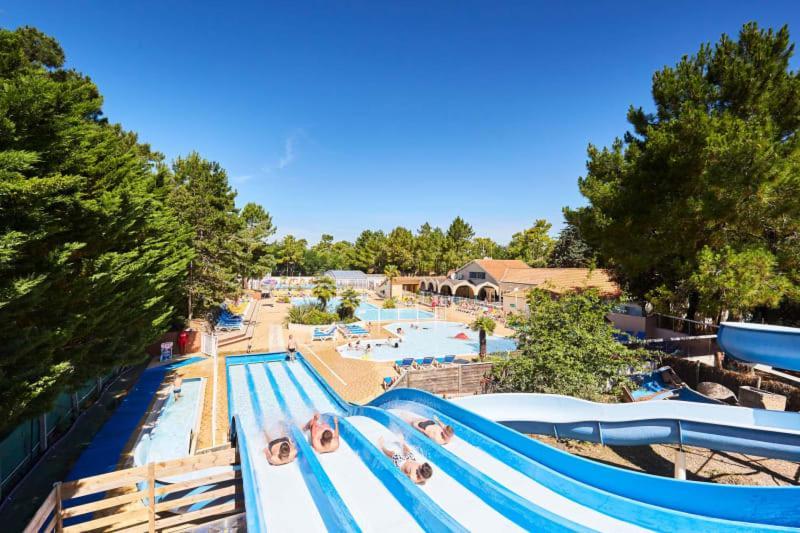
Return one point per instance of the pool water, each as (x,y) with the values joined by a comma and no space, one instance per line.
(169,439)
(433,338)
(370,313)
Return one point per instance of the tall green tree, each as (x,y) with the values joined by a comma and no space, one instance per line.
(368,251)
(290,253)
(428,249)
(570,250)
(92,258)
(204,201)
(716,164)
(256,254)
(486,247)
(457,244)
(532,245)
(399,249)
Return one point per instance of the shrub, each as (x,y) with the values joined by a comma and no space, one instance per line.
(389,303)
(283,299)
(565,346)
(310,315)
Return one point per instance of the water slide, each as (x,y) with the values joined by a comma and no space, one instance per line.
(761,343)
(488,476)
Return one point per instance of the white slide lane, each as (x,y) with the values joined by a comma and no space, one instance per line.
(372,505)
(455,499)
(282,489)
(318,396)
(523,485)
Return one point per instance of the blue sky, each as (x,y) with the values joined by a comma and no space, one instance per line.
(338,116)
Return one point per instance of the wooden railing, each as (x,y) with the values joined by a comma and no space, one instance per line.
(121,502)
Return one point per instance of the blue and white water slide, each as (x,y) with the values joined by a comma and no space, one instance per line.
(489,477)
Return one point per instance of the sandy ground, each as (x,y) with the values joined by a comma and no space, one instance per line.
(701,464)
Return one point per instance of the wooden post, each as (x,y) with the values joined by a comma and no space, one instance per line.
(718,358)
(151,497)
(59,520)
(758,382)
(460,368)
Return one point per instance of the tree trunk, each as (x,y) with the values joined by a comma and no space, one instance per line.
(482,337)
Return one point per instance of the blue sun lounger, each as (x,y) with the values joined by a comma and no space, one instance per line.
(446,360)
(425,362)
(323,334)
(404,364)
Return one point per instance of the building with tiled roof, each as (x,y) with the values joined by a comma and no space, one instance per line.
(498,280)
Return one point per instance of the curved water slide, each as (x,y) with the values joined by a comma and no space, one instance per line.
(759,432)
(489,476)
(761,343)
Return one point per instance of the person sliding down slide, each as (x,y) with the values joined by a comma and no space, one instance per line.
(407,462)
(323,438)
(280,451)
(433,429)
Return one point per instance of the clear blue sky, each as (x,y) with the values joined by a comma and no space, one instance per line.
(337,116)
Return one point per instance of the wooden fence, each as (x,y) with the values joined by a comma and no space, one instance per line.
(123,504)
(450,380)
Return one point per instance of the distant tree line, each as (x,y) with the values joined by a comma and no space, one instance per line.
(429,250)
(103,245)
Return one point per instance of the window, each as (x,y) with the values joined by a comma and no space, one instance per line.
(477,275)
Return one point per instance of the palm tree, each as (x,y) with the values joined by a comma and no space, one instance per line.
(324,289)
(390,272)
(350,302)
(484,325)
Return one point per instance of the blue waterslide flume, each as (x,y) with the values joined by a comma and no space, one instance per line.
(489,477)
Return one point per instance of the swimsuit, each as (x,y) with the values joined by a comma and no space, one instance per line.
(277,441)
(398,458)
(425,423)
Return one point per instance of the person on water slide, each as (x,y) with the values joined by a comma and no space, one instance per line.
(407,462)
(433,429)
(323,438)
(280,450)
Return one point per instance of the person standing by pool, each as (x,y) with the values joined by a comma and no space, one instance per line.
(291,347)
(183,340)
(407,462)
(323,438)
(176,386)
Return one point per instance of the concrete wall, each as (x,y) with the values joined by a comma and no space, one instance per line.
(628,322)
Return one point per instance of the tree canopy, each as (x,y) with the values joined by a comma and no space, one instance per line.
(716,166)
(565,346)
(92,255)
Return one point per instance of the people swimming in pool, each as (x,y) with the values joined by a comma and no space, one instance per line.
(280,450)
(433,429)
(406,461)
(324,439)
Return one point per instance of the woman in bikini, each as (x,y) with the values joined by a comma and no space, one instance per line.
(280,451)
(433,429)
(407,462)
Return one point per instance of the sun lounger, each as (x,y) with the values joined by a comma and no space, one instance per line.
(404,364)
(446,360)
(425,362)
(321,334)
(387,382)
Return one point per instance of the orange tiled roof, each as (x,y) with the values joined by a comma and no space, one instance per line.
(560,280)
(497,268)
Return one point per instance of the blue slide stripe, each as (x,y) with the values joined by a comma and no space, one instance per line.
(519,510)
(388,476)
(331,507)
(425,511)
(252,500)
(650,497)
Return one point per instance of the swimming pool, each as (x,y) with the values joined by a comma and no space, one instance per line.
(370,313)
(431,339)
(172,434)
